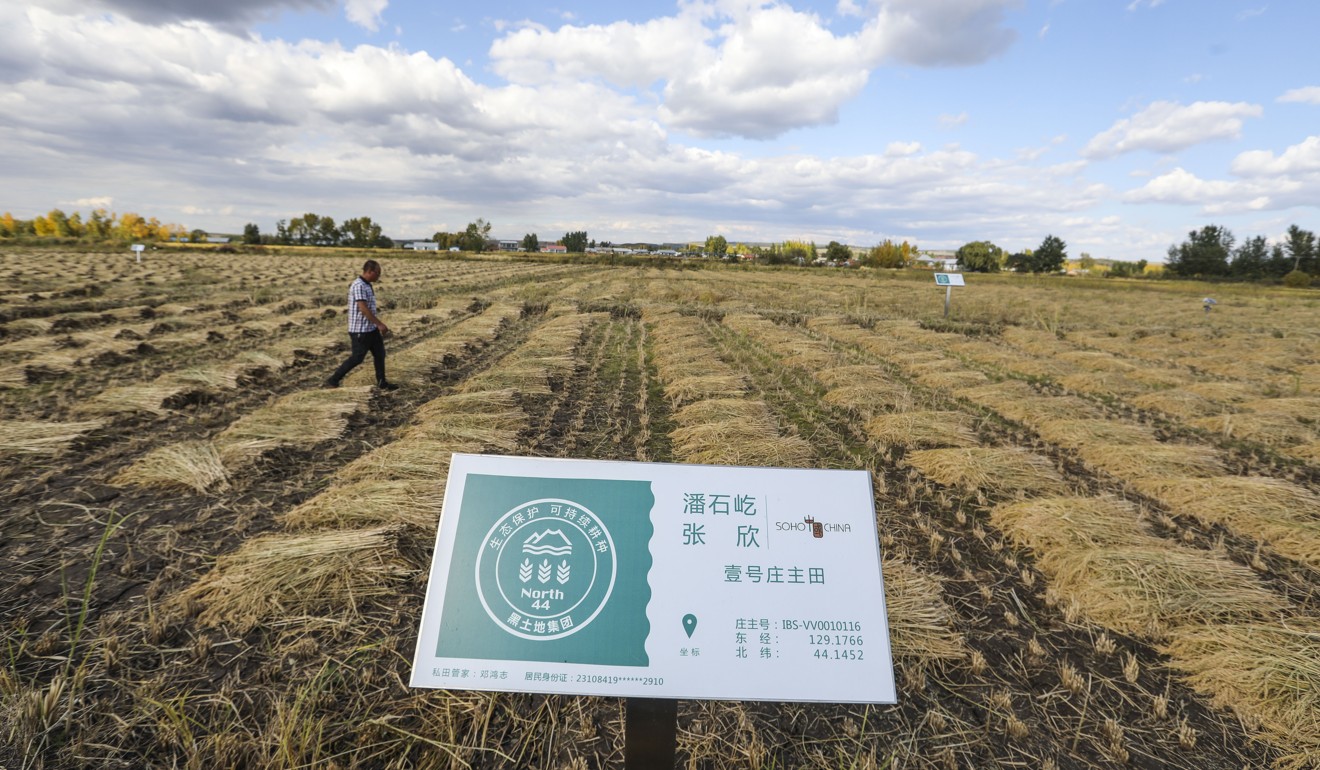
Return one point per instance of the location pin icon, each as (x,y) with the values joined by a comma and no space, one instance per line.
(689,624)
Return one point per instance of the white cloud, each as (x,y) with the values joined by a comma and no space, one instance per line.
(1182,186)
(365,13)
(1043,31)
(952,121)
(98,202)
(752,68)
(1251,13)
(1307,95)
(1298,160)
(902,149)
(1170,127)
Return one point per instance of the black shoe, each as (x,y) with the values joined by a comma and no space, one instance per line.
(387,386)
(330,384)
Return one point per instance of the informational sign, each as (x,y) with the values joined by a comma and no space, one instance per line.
(949,279)
(656,581)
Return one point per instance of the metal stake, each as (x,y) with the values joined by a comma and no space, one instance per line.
(650,733)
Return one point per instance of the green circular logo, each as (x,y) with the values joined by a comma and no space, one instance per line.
(546,569)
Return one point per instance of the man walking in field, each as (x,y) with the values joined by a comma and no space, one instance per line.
(366,331)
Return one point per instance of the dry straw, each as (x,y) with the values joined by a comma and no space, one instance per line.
(34,437)
(720,409)
(852,376)
(1223,392)
(1178,403)
(1095,361)
(1056,524)
(1267,673)
(1135,461)
(921,625)
(371,503)
(1271,429)
(995,470)
(772,452)
(1153,589)
(406,460)
(953,380)
(1302,408)
(923,429)
(1079,433)
(303,418)
(194,465)
(1282,514)
(871,399)
(1103,384)
(686,390)
(297,575)
(152,399)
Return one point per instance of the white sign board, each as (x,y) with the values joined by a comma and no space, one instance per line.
(138,247)
(657,581)
(949,279)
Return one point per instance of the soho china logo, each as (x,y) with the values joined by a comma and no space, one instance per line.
(546,569)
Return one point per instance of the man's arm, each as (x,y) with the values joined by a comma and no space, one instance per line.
(365,310)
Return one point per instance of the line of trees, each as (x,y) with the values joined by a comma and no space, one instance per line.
(311,229)
(986,257)
(1210,253)
(99,225)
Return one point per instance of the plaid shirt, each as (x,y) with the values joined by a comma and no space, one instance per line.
(358,323)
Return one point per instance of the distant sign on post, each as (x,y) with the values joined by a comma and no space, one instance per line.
(651,580)
(138,247)
(949,279)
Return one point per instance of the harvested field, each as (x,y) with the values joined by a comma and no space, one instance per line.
(1099,507)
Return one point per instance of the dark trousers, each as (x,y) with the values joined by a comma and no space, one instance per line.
(362,343)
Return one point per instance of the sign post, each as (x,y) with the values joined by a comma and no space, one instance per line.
(948,280)
(656,582)
(138,249)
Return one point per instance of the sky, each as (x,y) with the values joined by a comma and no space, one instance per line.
(1116,125)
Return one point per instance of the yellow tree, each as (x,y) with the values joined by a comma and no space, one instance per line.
(8,227)
(131,227)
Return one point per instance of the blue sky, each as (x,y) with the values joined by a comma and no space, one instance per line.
(1117,126)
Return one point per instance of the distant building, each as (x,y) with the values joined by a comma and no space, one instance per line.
(510,246)
(553,248)
(423,246)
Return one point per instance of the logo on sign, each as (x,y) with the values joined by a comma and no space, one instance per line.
(546,569)
(942,280)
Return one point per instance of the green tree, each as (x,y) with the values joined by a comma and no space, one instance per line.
(1019,262)
(1300,245)
(1251,259)
(197,236)
(476,235)
(360,233)
(251,233)
(980,257)
(1050,256)
(100,224)
(837,252)
(716,245)
(576,241)
(1087,262)
(1204,253)
(531,244)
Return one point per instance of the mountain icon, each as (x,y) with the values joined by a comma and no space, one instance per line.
(550,542)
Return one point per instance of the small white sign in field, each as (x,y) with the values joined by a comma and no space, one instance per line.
(656,581)
(949,279)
